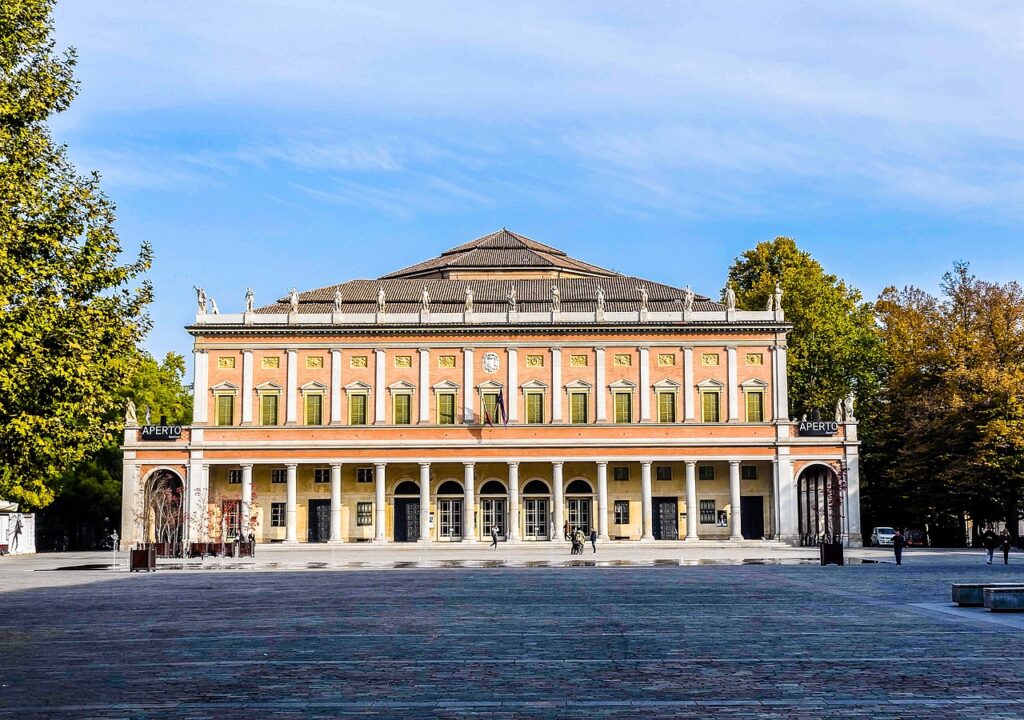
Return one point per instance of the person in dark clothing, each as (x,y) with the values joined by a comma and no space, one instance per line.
(565,529)
(494,536)
(898,543)
(988,540)
(593,538)
(1005,541)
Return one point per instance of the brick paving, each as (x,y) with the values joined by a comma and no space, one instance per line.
(765,641)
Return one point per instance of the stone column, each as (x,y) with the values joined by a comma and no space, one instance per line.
(512,396)
(424,502)
(788,527)
(292,400)
(781,390)
(469,525)
(336,503)
(853,495)
(379,364)
(556,385)
(200,387)
(734,500)
(557,489)
(647,503)
(468,391)
(336,387)
(513,502)
(245,513)
(379,479)
(732,389)
(424,413)
(130,492)
(692,509)
(247,387)
(688,407)
(645,384)
(290,535)
(602,500)
(600,386)
(774,530)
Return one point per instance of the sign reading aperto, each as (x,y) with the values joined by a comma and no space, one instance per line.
(817,428)
(160,432)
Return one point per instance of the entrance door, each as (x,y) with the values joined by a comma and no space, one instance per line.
(666,518)
(450,519)
(407,519)
(579,514)
(492,510)
(319,526)
(535,512)
(752,517)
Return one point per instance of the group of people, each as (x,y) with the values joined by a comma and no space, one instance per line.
(579,538)
(989,541)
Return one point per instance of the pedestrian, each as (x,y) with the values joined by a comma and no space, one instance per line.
(494,536)
(1005,540)
(988,539)
(593,538)
(898,542)
(565,529)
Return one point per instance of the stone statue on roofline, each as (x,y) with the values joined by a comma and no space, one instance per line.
(556,299)
(643,297)
(214,310)
(337,299)
(250,299)
(200,299)
(770,305)
(130,417)
(730,297)
(512,302)
(425,299)
(848,408)
(778,296)
(600,299)
(469,299)
(293,301)
(688,299)
(381,299)
(839,411)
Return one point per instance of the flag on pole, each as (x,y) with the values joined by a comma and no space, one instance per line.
(500,407)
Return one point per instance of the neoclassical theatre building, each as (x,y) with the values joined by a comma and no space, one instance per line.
(501,384)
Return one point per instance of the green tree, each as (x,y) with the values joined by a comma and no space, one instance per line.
(70,315)
(833,347)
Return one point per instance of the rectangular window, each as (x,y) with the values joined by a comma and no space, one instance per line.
(748,472)
(279,475)
(230,509)
(402,407)
(364,514)
(707,512)
(277,514)
(314,409)
(489,407)
(755,406)
(225,409)
(621,512)
(446,408)
(578,407)
(357,409)
(268,409)
(534,407)
(706,472)
(666,407)
(620,473)
(321,475)
(663,472)
(364,475)
(623,407)
(710,406)
(235,477)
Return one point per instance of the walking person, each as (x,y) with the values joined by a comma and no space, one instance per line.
(565,529)
(988,540)
(898,543)
(1005,541)
(494,536)
(593,538)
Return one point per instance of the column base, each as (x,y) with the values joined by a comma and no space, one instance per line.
(290,542)
(736,537)
(603,537)
(339,541)
(470,541)
(691,540)
(647,538)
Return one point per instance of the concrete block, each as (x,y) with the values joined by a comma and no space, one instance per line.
(971,594)
(1004,599)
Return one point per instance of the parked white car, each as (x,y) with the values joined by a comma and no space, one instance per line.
(882,536)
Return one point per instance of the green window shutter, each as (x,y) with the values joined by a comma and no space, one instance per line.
(402,413)
(357,410)
(268,409)
(446,409)
(755,407)
(314,409)
(709,400)
(225,409)
(666,407)
(490,407)
(623,407)
(535,407)
(578,407)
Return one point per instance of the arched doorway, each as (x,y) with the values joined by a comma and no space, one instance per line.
(493,509)
(579,498)
(406,506)
(450,497)
(164,512)
(821,505)
(536,511)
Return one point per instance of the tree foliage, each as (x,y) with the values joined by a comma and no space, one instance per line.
(70,315)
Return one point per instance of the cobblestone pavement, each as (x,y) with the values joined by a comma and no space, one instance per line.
(723,641)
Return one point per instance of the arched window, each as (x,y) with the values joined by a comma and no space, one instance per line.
(407,487)
(579,487)
(493,487)
(450,487)
(536,487)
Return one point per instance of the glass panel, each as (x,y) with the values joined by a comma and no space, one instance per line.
(534,407)
(623,407)
(357,409)
(755,407)
(709,402)
(225,409)
(535,511)
(666,407)
(489,406)
(578,407)
(402,406)
(446,408)
(450,512)
(314,409)
(493,514)
(579,514)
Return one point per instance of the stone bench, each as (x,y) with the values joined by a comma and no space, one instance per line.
(972,594)
(1004,599)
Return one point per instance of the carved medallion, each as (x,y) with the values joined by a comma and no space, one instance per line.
(490,362)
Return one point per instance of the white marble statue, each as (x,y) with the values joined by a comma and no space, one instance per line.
(643,298)
(778,296)
(688,299)
(293,301)
(337,299)
(556,299)
(382,301)
(730,298)
(214,310)
(200,299)
(839,411)
(250,298)
(512,302)
(425,299)
(600,299)
(130,417)
(469,299)
(149,414)
(848,408)
(770,305)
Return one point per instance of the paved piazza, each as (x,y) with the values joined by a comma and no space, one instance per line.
(643,636)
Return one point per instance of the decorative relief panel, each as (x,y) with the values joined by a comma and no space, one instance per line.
(403,361)
(755,359)
(357,361)
(315,361)
(446,361)
(491,362)
(226,362)
(535,361)
(578,360)
(622,360)
(709,359)
(270,363)
(666,359)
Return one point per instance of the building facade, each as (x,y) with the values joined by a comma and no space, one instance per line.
(502,384)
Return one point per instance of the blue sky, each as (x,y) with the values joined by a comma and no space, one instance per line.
(272,143)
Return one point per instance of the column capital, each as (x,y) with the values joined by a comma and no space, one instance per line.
(245,465)
(199,351)
(423,350)
(513,464)
(646,463)
(467,350)
(424,465)
(691,462)
(291,465)
(335,465)
(734,463)
(557,463)
(599,348)
(379,351)
(246,350)
(512,348)
(555,349)
(469,465)
(643,348)
(291,351)
(380,464)
(601,463)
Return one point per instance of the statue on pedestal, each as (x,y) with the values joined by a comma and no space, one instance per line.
(730,297)
(512,303)
(425,300)
(337,299)
(643,298)
(200,299)
(214,310)
(600,299)
(688,299)
(556,299)
(770,305)
(469,299)
(778,296)
(381,299)
(250,298)
(130,417)
(293,301)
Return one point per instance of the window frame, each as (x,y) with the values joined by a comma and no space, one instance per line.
(364,513)
(658,472)
(707,509)
(306,398)
(674,396)
(484,395)
(447,395)
(278,514)
(701,474)
(616,394)
(219,395)
(585,394)
(534,393)
(235,476)
(363,472)
(616,470)
(748,472)
(364,398)
(620,512)
(276,473)
(748,394)
(707,392)
(406,398)
(321,472)
(274,395)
